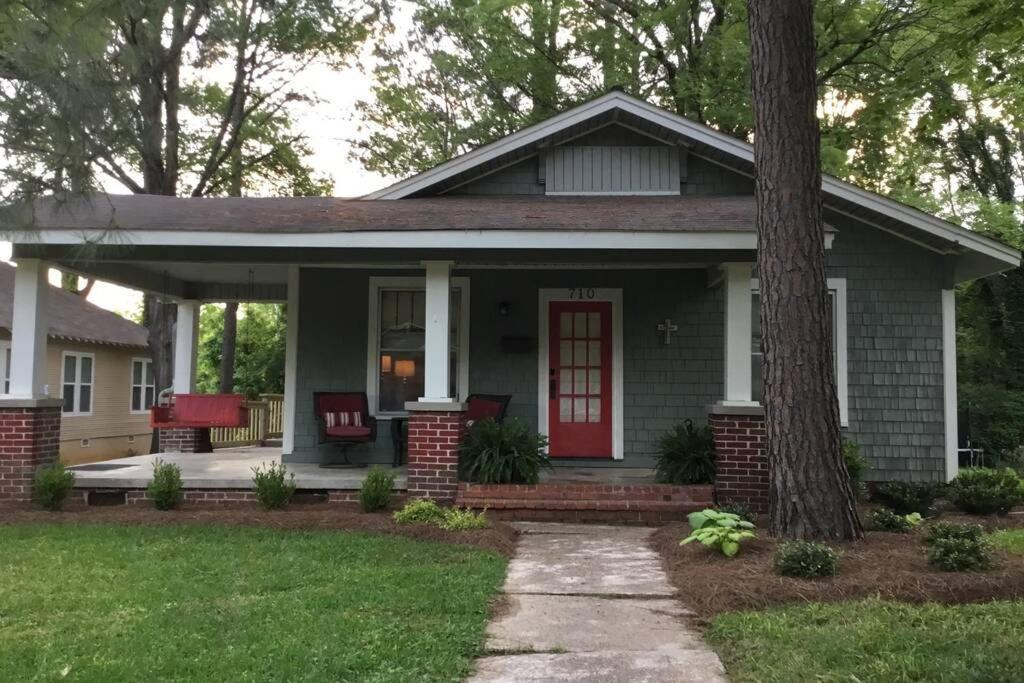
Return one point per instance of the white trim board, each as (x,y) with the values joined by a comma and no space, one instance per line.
(613,295)
(949,401)
(291,361)
(703,134)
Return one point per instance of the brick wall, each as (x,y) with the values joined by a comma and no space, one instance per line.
(742,472)
(29,439)
(434,438)
(181,440)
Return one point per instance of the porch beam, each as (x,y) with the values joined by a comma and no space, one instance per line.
(437,345)
(29,325)
(186,335)
(738,309)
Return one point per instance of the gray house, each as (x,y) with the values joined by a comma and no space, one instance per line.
(597,267)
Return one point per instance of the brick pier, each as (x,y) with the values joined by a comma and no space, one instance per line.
(29,440)
(435,434)
(742,472)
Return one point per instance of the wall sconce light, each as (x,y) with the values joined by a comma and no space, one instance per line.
(504,307)
(405,369)
(385,364)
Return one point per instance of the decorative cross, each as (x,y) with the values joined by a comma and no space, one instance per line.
(668,328)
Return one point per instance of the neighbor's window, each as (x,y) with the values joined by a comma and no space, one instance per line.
(5,368)
(76,385)
(143,387)
(400,336)
(837,308)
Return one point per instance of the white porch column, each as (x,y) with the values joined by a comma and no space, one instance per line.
(950,415)
(737,334)
(186,335)
(436,356)
(28,334)
(291,362)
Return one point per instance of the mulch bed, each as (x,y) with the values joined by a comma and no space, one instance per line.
(884,565)
(499,537)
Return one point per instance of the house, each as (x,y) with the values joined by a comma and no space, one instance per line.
(98,363)
(597,266)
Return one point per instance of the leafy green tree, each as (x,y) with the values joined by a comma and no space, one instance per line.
(259,359)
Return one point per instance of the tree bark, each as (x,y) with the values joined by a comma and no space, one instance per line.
(810,494)
(227,353)
(159,318)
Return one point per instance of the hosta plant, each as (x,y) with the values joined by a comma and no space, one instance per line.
(722,531)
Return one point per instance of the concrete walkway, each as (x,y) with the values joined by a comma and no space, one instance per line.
(591,603)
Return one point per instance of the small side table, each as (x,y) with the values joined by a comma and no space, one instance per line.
(399,439)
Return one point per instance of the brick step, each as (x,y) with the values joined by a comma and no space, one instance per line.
(662,493)
(584,504)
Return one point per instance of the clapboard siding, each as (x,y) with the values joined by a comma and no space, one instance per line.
(612,170)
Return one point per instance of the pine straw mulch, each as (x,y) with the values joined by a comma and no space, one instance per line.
(498,537)
(884,565)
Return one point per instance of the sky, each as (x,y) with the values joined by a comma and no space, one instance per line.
(328,124)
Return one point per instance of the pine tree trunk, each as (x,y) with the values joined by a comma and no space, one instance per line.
(159,319)
(227,355)
(810,495)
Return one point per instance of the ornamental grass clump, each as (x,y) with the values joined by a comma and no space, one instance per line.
(165,487)
(273,489)
(686,455)
(52,485)
(984,491)
(375,493)
(722,531)
(506,452)
(805,560)
(958,547)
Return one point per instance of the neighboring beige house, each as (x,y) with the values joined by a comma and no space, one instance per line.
(99,364)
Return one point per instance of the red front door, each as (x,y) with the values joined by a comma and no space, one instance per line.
(580,379)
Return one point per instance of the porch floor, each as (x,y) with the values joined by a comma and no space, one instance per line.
(225,468)
(625,476)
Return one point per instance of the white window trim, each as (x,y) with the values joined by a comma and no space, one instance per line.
(4,370)
(614,296)
(78,384)
(147,374)
(378,283)
(837,285)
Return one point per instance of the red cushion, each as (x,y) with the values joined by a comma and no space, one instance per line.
(479,408)
(348,431)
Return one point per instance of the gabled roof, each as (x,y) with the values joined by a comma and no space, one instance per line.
(618,108)
(73,318)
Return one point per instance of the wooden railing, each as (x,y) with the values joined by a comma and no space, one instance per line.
(265,422)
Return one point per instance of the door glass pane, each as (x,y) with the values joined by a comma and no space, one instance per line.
(84,398)
(69,368)
(565,353)
(580,386)
(594,414)
(595,354)
(579,409)
(580,353)
(86,370)
(565,410)
(565,381)
(581,325)
(565,325)
(594,325)
(595,381)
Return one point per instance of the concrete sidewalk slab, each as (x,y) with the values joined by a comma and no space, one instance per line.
(603,667)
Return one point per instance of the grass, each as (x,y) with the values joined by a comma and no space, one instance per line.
(1010,540)
(113,603)
(874,641)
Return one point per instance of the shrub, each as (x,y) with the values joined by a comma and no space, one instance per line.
(723,531)
(958,547)
(741,510)
(420,511)
(884,519)
(806,560)
(52,485)
(505,452)
(856,465)
(906,497)
(165,488)
(273,490)
(458,519)
(375,493)
(983,491)
(686,455)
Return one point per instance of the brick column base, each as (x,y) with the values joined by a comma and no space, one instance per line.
(434,439)
(742,470)
(185,440)
(29,440)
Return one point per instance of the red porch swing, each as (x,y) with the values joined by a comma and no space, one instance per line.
(200,411)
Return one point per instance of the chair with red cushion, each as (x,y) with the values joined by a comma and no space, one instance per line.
(481,406)
(343,419)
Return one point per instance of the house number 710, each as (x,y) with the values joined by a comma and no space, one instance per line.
(581,293)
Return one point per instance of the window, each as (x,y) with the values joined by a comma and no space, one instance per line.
(5,368)
(76,384)
(397,336)
(143,387)
(837,312)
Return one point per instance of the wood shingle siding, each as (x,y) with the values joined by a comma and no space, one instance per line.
(612,170)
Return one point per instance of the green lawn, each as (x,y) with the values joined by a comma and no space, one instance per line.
(874,641)
(1010,540)
(112,603)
